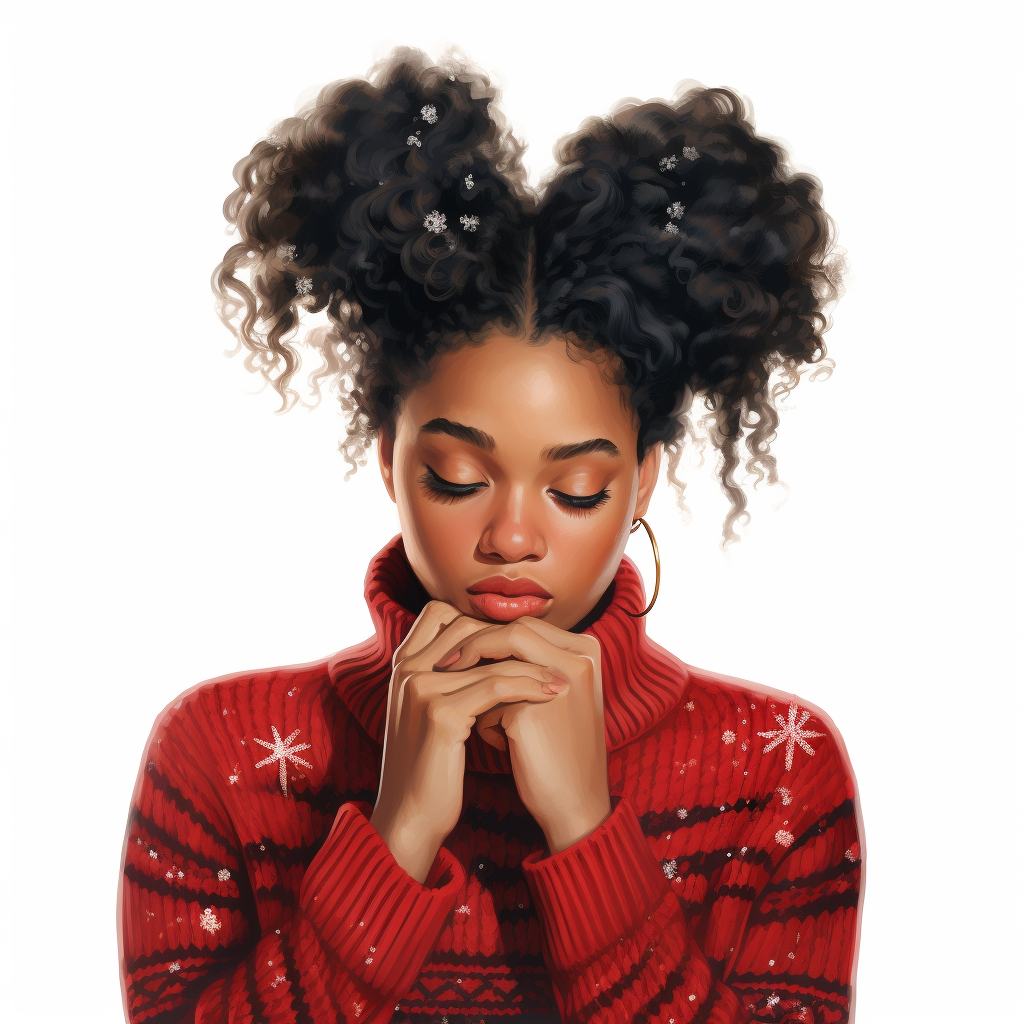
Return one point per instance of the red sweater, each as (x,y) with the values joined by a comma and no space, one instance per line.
(723,888)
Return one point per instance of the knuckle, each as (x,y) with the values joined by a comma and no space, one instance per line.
(441,716)
(518,632)
(502,687)
(415,685)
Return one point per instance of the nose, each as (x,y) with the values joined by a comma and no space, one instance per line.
(513,533)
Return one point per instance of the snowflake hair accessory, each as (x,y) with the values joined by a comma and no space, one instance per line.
(676,211)
(468,180)
(286,253)
(429,113)
(671,229)
(304,285)
(469,221)
(668,163)
(413,141)
(690,153)
(435,221)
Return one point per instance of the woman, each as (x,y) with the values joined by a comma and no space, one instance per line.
(509,801)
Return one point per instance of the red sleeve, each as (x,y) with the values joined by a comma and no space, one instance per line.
(779,945)
(192,946)
(613,934)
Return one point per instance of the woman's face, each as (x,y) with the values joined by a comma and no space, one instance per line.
(515,474)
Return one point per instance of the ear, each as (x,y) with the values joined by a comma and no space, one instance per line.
(650,469)
(386,458)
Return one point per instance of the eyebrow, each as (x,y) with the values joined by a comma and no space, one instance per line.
(479,439)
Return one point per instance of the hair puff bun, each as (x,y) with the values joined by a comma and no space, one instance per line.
(669,233)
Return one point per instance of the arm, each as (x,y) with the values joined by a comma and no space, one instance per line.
(613,934)
(617,943)
(192,946)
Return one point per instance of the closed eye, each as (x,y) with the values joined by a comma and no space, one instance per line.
(445,490)
(579,504)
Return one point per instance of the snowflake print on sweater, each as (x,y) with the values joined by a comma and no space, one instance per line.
(792,734)
(283,752)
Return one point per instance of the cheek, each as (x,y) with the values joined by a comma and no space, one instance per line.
(444,536)
(585,547)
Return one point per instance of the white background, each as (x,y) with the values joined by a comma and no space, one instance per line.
(162,526)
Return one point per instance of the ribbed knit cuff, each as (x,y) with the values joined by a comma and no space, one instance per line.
(376,917)
(601,888)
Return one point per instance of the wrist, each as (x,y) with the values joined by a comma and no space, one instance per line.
(569,829)
(413,851)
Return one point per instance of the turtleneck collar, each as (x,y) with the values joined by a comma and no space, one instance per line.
(641,681)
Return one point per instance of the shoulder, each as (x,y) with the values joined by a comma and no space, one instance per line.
(211,724)
(781,738)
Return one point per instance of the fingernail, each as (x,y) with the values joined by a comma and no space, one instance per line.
(554,687)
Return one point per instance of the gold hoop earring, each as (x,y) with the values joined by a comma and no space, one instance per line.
(657,567)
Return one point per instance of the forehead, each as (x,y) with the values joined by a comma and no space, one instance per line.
(545,392)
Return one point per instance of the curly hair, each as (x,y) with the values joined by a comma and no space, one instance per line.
(669,234)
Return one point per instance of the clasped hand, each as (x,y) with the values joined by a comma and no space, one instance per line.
(528,687)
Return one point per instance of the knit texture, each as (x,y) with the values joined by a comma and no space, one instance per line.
(723,888)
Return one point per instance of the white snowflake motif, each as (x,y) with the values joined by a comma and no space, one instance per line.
(772,1000)
(792,734)
(303,286)
(169,876)
(223,875)
(671,229)
(668,163)
(429,113)
(690,153)
(689,705)
(469,181)
(469,221)
(413,141)
(286,254)
(669,867)
(464,909)
(676,210)
(784,838)
(435,221)
(283,752)
(232,779)
(786,795)
(279,980)
(728,736)
(176,966)
(208,921)
(154,854)
(682,813)
(853,853)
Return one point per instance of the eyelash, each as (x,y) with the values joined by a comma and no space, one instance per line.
(446,492)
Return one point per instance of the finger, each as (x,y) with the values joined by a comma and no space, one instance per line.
(432,620)
(454,633)
(453,626)
(509,683)
(516,640)
(580,643)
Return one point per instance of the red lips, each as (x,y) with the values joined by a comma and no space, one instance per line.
(509,587)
